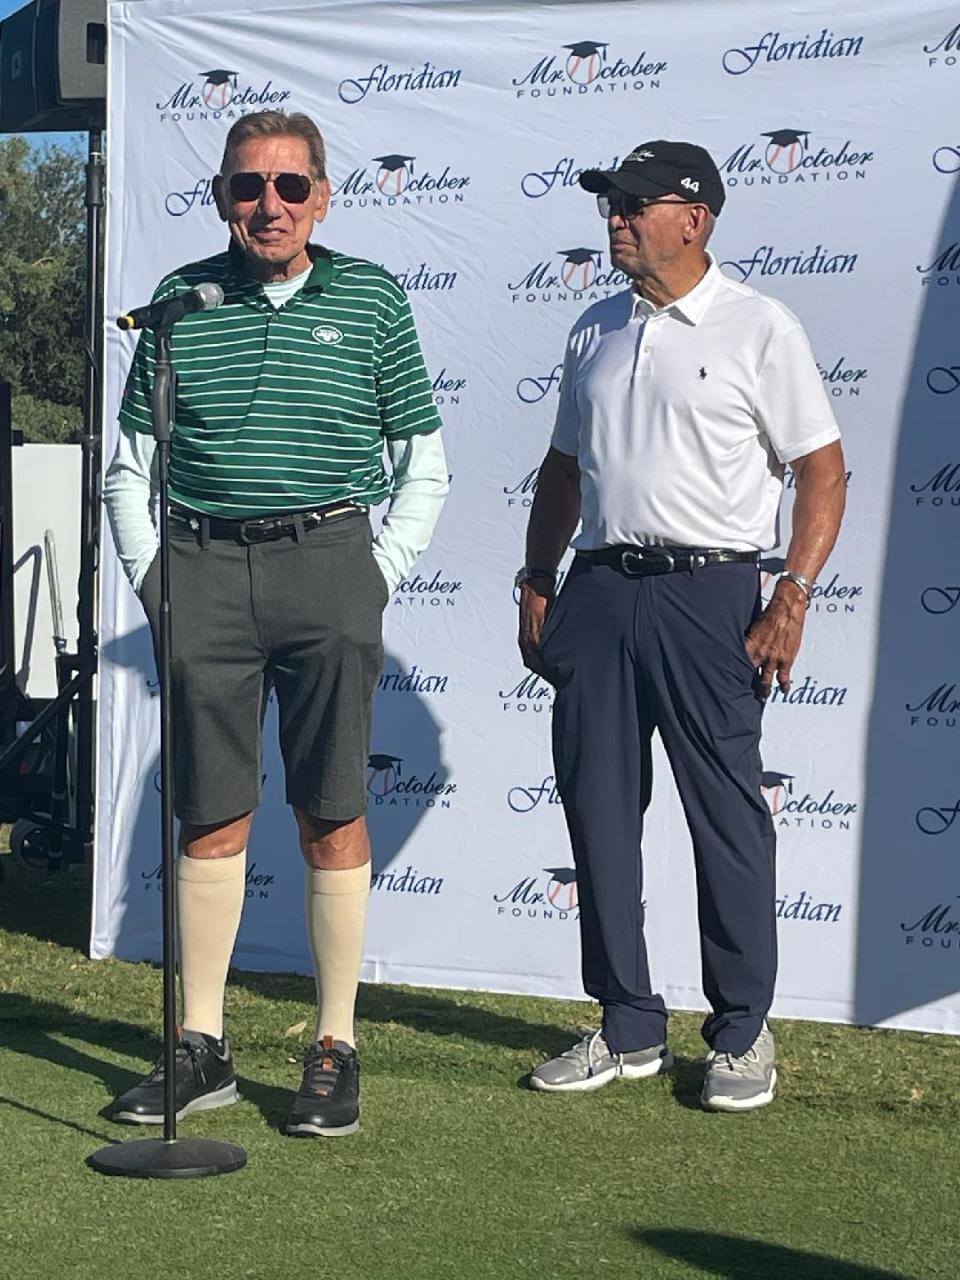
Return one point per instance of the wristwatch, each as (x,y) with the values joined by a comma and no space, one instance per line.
(798,580)
(528,571)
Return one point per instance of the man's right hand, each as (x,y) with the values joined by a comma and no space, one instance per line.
(536,597)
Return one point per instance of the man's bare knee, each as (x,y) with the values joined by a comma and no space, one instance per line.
(333,845)
(217,839)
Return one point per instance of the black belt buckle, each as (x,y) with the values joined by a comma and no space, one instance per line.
(251,532)
(638,565)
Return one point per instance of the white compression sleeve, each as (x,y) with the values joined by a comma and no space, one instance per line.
(420,487)
(128,490)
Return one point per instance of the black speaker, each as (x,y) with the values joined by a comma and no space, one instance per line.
(53,67)
(18,97)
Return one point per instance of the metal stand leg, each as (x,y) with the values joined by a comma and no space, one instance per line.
(169,1156)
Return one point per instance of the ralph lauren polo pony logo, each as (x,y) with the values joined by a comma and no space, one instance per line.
(327,334)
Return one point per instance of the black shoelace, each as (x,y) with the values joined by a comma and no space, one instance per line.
(184,1051)
(321,1069)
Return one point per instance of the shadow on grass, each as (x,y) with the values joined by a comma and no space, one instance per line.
(32,1028)
(420,1010)
(47,1115)
(49,906)
(740,1258)
(39,1030)
(57,910)
(686,1079)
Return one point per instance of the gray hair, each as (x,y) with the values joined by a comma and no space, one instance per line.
(277,124)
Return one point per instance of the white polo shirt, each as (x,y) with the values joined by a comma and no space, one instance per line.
(682,417)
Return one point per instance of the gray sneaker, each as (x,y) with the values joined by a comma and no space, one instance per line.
(591,1065)
(744,1083)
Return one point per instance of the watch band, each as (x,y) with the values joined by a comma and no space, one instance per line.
(528,571)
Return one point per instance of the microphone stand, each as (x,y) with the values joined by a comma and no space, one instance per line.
(169,1156)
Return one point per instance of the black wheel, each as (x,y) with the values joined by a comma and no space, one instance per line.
(30,845)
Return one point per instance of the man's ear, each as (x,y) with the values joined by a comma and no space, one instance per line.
(323,204)
(698,215)
(220,196)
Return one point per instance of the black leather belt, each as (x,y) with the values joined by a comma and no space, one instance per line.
(643,562)
(264,529)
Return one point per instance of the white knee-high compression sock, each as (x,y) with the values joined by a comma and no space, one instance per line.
(209,901)
(336,915)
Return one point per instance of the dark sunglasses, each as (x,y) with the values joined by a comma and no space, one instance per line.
(292,188)
(622,204)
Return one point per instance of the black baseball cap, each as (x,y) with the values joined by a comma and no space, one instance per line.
(662,168)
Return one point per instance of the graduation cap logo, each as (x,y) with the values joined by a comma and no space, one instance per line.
(776,786)
(394,173)
(585,59)
(562,889)
(382,773)
(785,149)
(218,88)
(580,267)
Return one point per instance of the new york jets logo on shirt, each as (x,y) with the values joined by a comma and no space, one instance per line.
(327,334)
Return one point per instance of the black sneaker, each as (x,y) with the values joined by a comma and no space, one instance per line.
(205,1080)
(327,1104)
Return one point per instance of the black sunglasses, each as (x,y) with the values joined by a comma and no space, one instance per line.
(624,205)
(292,188)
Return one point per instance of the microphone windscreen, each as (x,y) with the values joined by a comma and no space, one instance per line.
(210,295)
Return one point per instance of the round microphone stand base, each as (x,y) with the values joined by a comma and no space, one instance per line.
(160,1158)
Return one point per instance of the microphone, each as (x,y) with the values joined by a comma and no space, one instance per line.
(161,315)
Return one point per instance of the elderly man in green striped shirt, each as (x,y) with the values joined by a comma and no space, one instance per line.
(286,397)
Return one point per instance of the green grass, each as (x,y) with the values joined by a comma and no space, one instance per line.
(458,1171)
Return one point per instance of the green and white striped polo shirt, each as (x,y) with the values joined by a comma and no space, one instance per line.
(283,409)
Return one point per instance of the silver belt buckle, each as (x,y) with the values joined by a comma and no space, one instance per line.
(631,562)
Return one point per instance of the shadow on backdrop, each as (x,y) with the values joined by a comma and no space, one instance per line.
(908,943)
(740,1258)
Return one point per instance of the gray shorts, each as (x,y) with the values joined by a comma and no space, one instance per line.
(300,615)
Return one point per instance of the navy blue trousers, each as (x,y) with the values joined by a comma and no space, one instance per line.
(627,656)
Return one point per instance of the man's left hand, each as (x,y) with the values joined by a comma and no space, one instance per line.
(773,641)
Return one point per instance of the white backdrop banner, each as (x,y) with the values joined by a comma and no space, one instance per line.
(456,131)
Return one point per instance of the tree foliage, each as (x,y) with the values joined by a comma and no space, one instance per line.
(42,276)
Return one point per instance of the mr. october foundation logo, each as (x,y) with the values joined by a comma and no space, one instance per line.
(579,276)
(398,180)
(943,268)
(792,156)
(943,50)
(394,782)
(220,94)
(590,67)
(551,895)
(793,803)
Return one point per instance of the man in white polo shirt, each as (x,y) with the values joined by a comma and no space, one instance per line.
(682,401)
